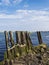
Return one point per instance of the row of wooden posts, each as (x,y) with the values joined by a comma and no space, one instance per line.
(21,38)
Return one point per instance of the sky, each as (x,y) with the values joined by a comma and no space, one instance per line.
(24,15)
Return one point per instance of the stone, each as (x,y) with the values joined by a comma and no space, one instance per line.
(39,56)
(6,62)
(42,50)
(45,55)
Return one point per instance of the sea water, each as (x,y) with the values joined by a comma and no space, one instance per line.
(33,36)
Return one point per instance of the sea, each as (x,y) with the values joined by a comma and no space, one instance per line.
(33,36)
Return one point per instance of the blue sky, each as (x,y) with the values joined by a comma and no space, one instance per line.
(27,15)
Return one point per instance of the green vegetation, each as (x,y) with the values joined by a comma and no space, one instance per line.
(1,63)
(22,50)
(19,51)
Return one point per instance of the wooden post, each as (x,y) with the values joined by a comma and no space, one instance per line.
(12,43)
(18,38)
(28,43)
(24,37)
(21,33)
(6,39)
(39,37)
(11,38)
(29,39)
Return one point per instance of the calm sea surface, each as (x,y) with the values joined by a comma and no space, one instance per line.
(34,39)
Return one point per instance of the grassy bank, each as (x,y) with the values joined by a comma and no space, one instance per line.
(21,51)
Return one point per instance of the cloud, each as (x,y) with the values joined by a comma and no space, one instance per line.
(27,15)
(17,1)
(8,2)
(9,16)
(25,20)
(32,15)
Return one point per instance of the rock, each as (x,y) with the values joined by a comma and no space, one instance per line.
(39,56)
(42,50)
(48,52)
(17,54)
(43,46)
(47,63)
(6,62)
(44,58)
(45,55)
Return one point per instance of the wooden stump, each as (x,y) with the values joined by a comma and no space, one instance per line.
(11,38)
(29,43)
(23,39)
(39,37)
(18,37)
(6,39)
(13,51)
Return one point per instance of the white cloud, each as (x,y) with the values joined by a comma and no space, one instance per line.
(8,2)
(9,16)
(30,20)
(33,15)
(17,1)
(28,15)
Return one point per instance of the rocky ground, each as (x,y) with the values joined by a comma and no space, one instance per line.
(35,59)
(38,56)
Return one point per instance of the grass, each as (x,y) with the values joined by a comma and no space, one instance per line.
(1,63)
(21,51)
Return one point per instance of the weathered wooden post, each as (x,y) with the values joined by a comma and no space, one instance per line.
(21,33)
(28,43)
(18,38)
(16,33)
(18,41)
(12,43)
(6,39)
(29,39)
(11,38)
(23,39)
(39,37)
(26,35)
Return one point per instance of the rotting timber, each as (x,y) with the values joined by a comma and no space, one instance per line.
(22,52)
